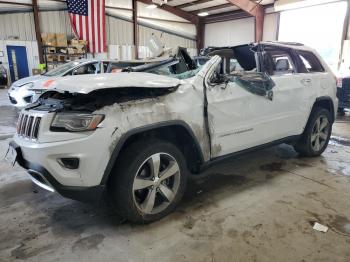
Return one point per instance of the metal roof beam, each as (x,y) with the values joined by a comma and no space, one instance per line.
(256,10)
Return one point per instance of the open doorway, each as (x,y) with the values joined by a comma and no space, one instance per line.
(320,27)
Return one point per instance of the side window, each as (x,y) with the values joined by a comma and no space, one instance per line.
(235,66)
(92,68)
(114,68)
(278,62)
(310,61)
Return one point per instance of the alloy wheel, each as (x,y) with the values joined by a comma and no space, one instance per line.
(156,183)
(320,132)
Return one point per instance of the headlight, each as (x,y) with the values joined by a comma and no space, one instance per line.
(76,122)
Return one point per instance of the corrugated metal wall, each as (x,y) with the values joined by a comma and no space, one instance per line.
(168,39)
(17,25)
(55,22)
(234,32)
(119,35)
(119,32)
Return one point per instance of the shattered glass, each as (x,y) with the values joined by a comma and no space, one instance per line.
(255,82)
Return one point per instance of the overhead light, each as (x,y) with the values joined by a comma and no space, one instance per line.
(152,6)
(203,14)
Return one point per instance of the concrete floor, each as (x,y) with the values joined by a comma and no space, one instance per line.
(258,207)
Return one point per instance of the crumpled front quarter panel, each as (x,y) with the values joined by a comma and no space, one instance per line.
(185,104)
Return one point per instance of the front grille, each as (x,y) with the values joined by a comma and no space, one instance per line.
(28,126)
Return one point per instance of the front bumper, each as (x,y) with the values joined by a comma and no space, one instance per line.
(20,97)
(43,178)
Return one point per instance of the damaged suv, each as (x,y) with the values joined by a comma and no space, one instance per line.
(137,135)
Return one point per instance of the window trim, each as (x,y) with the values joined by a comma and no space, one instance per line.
(304,69)
(290,52)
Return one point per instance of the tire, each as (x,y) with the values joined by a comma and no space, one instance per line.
(132,189)
(316,135)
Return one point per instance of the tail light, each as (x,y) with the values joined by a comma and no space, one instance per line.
(340,82)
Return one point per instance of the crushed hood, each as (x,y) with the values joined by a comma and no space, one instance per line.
(85,84)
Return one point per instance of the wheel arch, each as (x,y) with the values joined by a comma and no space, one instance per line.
(175,131)
(325,102)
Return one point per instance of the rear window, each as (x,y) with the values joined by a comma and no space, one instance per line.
(310,61)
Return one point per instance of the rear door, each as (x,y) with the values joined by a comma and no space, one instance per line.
(314,78)
(292,92)
(240,119)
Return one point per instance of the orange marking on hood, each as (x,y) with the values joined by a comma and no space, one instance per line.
(48,83)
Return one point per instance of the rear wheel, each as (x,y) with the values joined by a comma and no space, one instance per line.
(148,181)
(317,133)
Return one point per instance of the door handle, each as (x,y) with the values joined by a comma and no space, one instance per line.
(306,81)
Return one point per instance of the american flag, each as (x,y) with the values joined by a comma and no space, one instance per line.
(88,20)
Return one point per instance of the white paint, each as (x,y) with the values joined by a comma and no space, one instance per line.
(86,83)
(230,33)
(251,119)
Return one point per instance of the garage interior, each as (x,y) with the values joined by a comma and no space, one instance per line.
(258,206)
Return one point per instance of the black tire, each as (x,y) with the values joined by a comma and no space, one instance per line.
(120,187)
(304,145)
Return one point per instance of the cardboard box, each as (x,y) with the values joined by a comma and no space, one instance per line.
(82,42)
(49,58)
(74,42)
(61,40)
(80,51)
(48,39)
(63,50)
(36,71)
(70,50)
(51,50)
(61,58)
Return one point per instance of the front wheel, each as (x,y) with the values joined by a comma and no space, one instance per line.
(148,181)
(316,135)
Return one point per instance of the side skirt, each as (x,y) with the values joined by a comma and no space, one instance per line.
(220,159)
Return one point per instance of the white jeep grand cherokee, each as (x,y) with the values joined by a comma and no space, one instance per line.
(138,135)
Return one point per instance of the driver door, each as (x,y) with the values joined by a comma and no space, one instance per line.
(240,119)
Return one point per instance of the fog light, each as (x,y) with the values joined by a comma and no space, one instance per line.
(70,163)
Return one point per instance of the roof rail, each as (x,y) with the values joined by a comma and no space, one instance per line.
(286,43)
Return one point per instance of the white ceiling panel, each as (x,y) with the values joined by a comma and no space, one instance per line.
(223,10)
(179,2)
(204,5)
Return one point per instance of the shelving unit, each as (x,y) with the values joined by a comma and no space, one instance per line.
(58,57)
